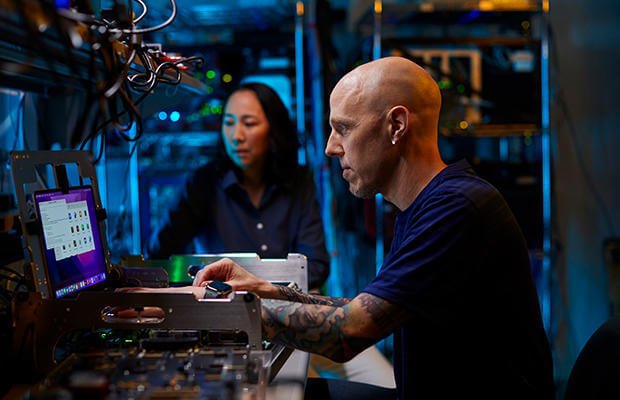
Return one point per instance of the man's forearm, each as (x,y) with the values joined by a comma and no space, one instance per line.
(315,328)
(290,294)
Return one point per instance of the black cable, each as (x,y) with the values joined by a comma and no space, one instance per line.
(116,96)
(94,91)
(119,228)
(101,149)
(110,103)
(94,133)
(78,130)
(90,102)
(121,77)
(157,76)
(134,118)
(149,78)
(146,80)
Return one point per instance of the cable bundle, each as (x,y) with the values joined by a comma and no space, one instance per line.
(119,64)
(116,105)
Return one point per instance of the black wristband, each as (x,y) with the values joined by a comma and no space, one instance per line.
(216,289)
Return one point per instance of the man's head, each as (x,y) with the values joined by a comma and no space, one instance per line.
(383,118)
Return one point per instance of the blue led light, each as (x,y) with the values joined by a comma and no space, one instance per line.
(62,3)
(175,116)
(162,115)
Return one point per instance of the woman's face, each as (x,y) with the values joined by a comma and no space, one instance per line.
(245,130)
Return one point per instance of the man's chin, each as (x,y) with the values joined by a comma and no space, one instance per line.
(362,193)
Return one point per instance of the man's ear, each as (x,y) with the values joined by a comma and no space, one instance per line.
(398,118)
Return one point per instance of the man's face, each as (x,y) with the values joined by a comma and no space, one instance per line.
(358,139)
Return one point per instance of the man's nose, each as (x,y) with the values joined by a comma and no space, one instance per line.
(333,148)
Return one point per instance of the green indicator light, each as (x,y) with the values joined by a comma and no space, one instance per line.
(178,271)
(205,110)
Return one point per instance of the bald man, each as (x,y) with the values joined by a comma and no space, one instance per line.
(455,289)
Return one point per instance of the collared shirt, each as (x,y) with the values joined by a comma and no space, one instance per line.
(460,267)
(215,214)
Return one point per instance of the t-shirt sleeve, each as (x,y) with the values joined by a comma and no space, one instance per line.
(430,262)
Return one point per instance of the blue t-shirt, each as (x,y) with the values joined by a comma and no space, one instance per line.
(215,215)
(459,265)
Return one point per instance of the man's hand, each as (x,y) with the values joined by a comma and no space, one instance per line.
(229,272)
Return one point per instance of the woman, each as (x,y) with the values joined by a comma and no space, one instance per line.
(255,198)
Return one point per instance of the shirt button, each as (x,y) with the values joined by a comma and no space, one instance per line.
(259,226)
(264,247)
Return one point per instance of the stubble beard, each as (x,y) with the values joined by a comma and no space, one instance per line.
(362,192)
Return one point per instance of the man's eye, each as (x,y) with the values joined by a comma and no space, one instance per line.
(229,122)
(341,129)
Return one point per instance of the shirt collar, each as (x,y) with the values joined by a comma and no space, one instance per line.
(230,180)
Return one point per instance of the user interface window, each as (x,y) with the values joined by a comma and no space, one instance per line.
(73,249)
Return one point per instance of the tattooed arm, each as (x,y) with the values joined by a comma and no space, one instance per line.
(338,332)
(228,271)
(290,294)
(334,327)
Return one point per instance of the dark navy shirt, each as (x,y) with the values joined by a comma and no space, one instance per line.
(216,214)
(460,266)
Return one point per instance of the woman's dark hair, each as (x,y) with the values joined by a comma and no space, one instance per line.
(283,142)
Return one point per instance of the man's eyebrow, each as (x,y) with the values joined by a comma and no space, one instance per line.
(347,122)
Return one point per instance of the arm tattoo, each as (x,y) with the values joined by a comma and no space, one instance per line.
(291,294)
(338,332)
